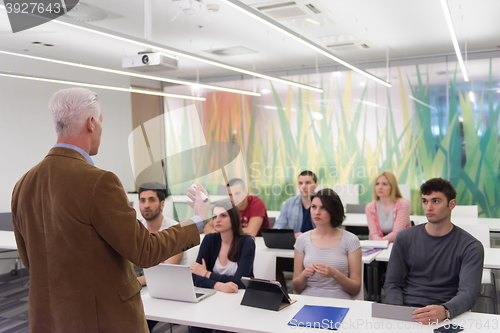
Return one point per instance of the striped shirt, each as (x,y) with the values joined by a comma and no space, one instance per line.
(334,256)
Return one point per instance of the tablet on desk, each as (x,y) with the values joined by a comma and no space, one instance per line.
(279,238)
(396,312)
(265,294)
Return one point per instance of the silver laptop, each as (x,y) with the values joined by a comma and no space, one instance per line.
(174,282)
(396,312)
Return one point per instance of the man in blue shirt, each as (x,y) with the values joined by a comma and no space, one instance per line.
(296,215)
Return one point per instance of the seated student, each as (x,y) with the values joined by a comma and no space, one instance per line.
(225,256)
(389,213)
(435,266)
(327,259)
(296,211)
(253,212)
(296,215)
(151,202)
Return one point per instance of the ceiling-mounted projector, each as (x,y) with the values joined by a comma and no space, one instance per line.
(149,62)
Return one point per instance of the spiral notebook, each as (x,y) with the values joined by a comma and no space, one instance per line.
(315,316)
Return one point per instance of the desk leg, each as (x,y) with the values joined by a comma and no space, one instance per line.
(376,294)
(369,282)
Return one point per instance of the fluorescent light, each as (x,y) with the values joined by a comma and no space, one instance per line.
(420,102)
(290,33)
(447,16)
(269,107)
(265,91)
(317,116)
(150,77)
(472,97)
(82,84)
(370,103)
(312,21)
(177,52)
(165,49)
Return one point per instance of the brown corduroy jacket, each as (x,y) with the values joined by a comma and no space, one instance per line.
(78,235)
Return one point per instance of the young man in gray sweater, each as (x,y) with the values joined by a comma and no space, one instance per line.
(435,266)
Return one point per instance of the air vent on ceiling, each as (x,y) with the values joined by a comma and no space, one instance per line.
(350,46)
(445,72)
(87,13)
(282,10)
(231,51)
(278,5)
(313,9)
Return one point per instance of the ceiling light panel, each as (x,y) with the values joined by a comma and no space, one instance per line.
(257,15)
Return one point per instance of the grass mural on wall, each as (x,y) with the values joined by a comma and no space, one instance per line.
(348,135)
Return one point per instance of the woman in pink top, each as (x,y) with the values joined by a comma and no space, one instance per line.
(389,213)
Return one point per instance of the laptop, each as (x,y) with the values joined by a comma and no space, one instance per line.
(396,312)
(279,238)
(174,282)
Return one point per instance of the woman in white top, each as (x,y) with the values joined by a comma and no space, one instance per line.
(226,255)
(327,259)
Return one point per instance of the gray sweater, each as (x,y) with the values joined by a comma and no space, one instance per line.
(425,270)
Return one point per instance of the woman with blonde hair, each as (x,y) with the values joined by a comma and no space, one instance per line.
(389,213)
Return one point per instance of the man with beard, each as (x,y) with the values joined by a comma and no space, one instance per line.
(151,202)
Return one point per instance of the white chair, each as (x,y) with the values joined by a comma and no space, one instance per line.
(191,255)
(462,211)
(482,233)
(133,198)
(273,213)
(405,191)
(349,193)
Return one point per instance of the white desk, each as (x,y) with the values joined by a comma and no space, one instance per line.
(7,240)
(384,254)
(355,220)
(492,258)
(224,312)
(493,224)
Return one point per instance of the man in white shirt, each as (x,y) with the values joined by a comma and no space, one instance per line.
(151,202)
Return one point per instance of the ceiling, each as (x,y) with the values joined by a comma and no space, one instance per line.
(394,28)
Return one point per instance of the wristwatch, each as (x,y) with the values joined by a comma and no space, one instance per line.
(447,312)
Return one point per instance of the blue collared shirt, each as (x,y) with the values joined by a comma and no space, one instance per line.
(78,149)
(292,215)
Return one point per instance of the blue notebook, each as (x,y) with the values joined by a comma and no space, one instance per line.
(314,316)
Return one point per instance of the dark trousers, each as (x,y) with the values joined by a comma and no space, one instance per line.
(151,324)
